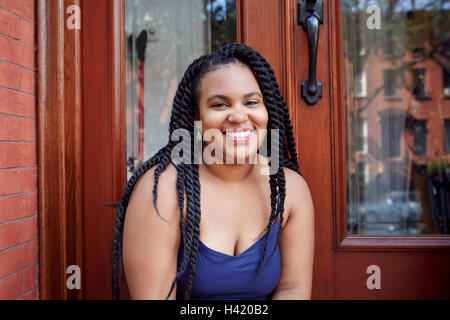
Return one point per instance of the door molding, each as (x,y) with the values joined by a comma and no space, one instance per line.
(81,143)
(60,179)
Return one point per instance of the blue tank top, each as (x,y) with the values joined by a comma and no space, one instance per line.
(221,276)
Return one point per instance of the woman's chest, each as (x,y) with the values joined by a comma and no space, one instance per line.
(233,219)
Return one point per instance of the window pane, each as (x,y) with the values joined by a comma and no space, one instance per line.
(396,62)
(163,37)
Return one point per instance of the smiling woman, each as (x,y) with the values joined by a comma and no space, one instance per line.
(220,230)
(229,100)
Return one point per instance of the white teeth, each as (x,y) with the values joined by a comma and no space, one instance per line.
(239,134)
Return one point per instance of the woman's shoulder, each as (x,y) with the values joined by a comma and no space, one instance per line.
(149,238)
(297,192)
(167,199)
(294,178)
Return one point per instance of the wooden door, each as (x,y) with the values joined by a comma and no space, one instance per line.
(89,70)
(368,177)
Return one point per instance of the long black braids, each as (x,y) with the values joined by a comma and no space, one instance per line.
(188,183)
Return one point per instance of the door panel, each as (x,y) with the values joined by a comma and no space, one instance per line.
(411,259)
(313,134)
(404,275)
(103,142)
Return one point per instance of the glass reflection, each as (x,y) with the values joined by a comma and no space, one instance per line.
(163,37)
(397,82)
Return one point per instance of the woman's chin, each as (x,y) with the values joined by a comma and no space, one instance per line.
(244,157)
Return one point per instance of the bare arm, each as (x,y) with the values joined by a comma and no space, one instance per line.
(150,244)
(297,242)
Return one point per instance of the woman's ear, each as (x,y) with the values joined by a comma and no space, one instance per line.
(196,115)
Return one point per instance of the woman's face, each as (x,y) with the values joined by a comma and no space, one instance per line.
(230,101)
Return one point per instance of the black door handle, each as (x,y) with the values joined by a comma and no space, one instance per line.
(310,16)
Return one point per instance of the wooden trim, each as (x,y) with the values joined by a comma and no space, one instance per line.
(338,123)
(240,16)
(118,110)
(313,138)
(395,243)
(60,180)
(287,81)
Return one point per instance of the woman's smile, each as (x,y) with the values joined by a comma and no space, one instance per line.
(239,136)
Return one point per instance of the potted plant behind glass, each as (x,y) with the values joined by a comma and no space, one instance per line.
(439,192)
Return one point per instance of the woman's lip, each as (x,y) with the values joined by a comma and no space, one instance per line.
(237,130)
(242,139)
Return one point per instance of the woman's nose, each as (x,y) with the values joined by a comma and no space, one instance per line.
(237,115)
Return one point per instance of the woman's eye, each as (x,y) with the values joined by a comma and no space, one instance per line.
(251,102)
(220,104)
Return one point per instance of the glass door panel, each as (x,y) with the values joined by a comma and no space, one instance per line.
(163,37)
(397,95)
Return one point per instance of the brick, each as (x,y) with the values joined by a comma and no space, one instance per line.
(27,83)
(9,182)
(30,278)
(32,295)
(9,75)
(9,49)
(9,24)
(17,154)
(28,33)
(23,8)
(25,32)
(29,180)
(10,287)
(28,129)
(26,55)
(18,258)
(9,128)
(29,229)
(9,235)
(19,206)
(16,103)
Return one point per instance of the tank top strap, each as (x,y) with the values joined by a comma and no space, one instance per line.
(176,167)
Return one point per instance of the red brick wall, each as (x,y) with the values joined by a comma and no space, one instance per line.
(19,262)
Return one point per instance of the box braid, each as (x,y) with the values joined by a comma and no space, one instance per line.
(188,183)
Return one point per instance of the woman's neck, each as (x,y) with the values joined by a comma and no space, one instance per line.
(236,173)
(230,173)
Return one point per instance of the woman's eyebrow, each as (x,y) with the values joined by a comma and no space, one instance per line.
(247,95)
(221,96)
